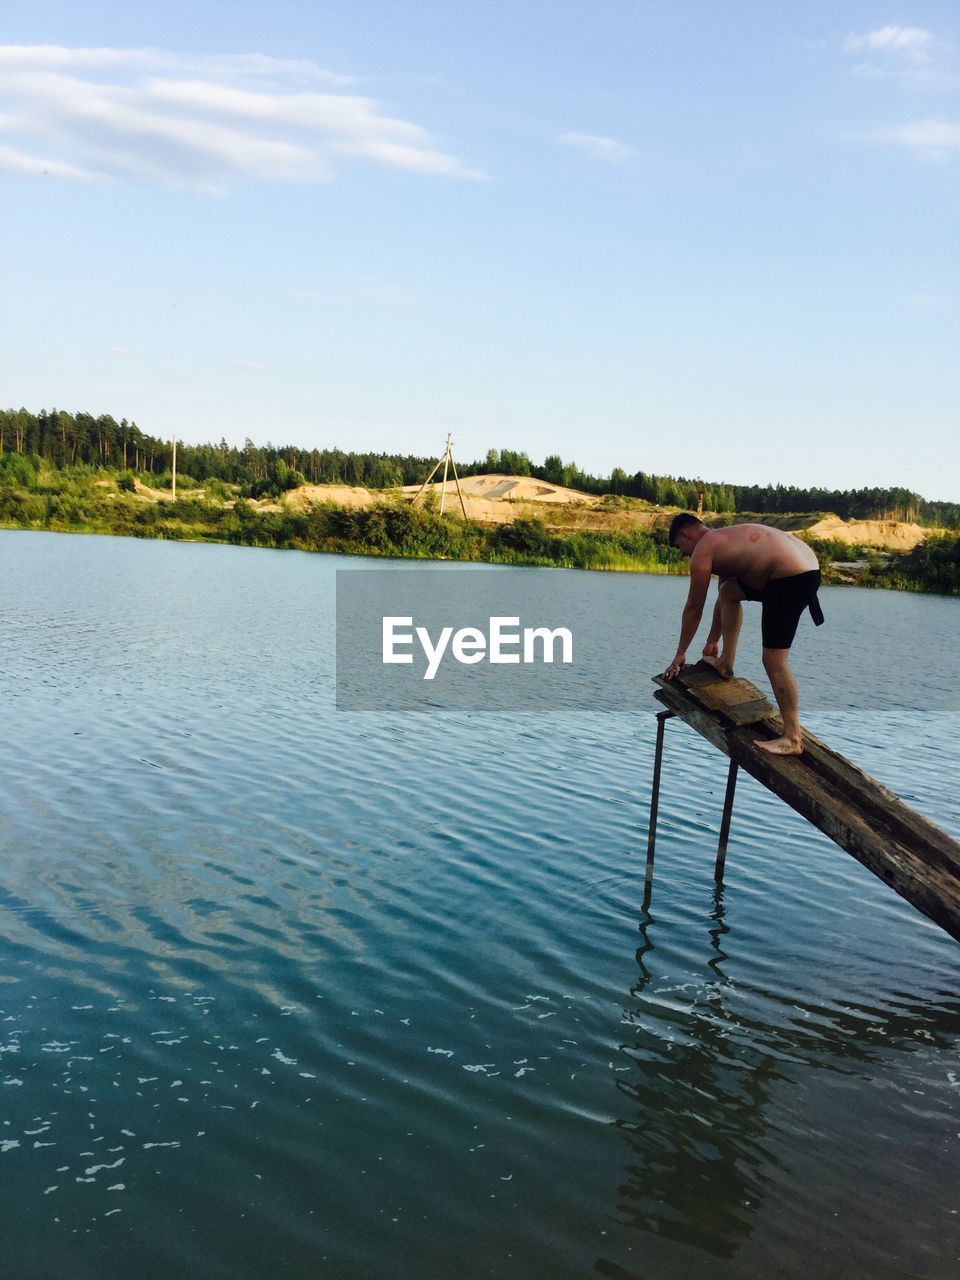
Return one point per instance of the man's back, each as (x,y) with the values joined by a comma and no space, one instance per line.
(756,553)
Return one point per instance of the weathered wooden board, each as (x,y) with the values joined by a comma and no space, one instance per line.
(747,712)
(906,850)
(886,811)
(729,693)
(737,700)
(709,726)
(698,675)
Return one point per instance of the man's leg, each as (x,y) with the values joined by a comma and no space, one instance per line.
(777,667)
(731,619)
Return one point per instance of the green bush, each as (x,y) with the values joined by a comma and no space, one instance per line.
(165,481)
(18,469)
(528,536)
(66,508)
(832,549)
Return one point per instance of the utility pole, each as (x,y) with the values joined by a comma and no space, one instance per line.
(174,484)
(447,461)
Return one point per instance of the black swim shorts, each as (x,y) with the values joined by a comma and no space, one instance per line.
(784,600)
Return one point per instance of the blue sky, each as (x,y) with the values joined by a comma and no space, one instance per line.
(686,237)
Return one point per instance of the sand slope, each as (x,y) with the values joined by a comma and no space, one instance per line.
(496,487)
(893,535)
(343,495)
(494,498)
(497,498)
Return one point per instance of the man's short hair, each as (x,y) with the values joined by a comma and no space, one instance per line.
(680,522)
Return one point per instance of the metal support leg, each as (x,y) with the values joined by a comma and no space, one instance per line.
(725,820)
(662,718)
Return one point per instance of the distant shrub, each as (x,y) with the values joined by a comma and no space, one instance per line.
(18,469)
(126,482)
(66,508)
(165,481)
(264,488)
(528,536)
(216,488)
(832,549)
(933,565)
(278,480)
(186,509)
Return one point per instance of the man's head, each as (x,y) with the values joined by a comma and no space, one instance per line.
(686,530)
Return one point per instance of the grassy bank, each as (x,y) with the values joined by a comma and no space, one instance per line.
(84,501)
(933,566)
(88,500)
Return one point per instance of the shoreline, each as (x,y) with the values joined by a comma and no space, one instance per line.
(375,553)
(516,559)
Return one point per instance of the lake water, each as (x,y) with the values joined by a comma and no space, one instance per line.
(295,992)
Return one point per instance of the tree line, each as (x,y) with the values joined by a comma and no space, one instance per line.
(76,499)
(60,439)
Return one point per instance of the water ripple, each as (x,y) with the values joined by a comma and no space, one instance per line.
(294,992)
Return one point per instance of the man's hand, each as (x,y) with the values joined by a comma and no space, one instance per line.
(676,666)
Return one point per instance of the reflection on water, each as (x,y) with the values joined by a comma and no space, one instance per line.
(296,993)
(696,1123)
(710,1062)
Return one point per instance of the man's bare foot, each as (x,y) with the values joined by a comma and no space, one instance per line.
(780,746)
(721,668)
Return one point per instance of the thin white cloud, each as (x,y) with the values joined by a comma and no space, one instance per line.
(203,122)
(929,139)
(914,57)
(14,161)
(39,57)
(910,55)
(912,42)
(599,147)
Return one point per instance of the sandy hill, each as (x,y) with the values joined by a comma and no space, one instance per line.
(496,498)
(504,488)
(493,499)
(894,535)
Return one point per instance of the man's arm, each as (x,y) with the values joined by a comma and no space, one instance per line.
(701,566)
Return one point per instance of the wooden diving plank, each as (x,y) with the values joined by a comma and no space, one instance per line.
(906,850)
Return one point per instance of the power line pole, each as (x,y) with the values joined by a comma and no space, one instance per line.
(447,461)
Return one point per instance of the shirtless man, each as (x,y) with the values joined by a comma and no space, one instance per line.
(753,562)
